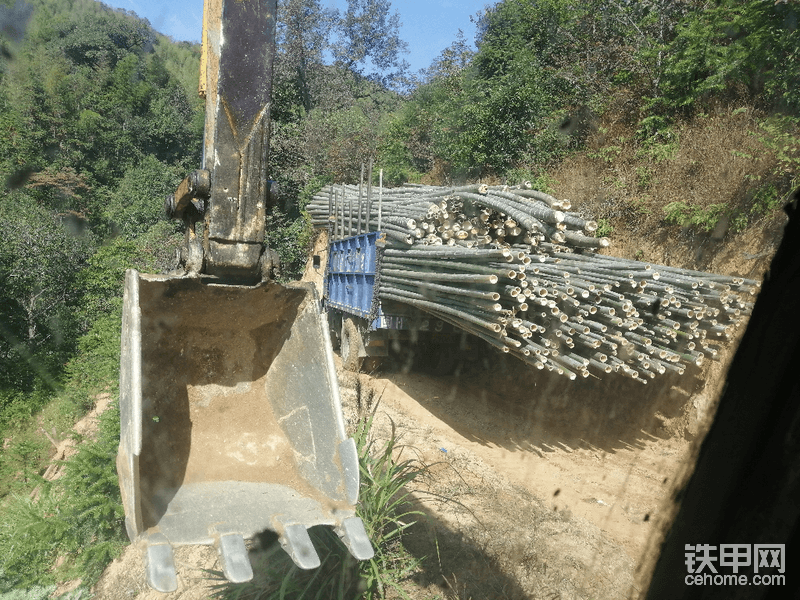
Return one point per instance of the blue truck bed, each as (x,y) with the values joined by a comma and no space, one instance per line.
(351,274)
(350,278)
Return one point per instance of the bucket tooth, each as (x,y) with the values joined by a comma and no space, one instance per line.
(235,561)
(160,564)
(297,544)
(355,538)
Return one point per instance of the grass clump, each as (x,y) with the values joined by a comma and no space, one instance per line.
(385,509)
(37,592)
(69,528)
(691,215)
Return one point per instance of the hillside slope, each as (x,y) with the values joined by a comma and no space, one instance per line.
(701,195)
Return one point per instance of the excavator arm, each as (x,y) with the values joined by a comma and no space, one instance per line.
(231,192)
(231,421)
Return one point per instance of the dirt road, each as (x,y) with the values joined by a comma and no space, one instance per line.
(540,486)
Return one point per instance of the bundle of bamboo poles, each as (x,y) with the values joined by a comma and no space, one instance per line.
(513,267)
(469,216)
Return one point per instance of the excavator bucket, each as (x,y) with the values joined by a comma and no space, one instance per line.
(231,423)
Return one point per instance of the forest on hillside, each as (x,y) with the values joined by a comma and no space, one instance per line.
(100,120)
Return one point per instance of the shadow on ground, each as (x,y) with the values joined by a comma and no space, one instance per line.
(500,401)
(512,548)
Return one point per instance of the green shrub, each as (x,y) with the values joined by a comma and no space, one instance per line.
(92,504)
(138,202)
(96,367)
(35,593)
(766,199)
(31,535)
(607,154)
(731,46)
(538,178)
(385,509)
(781,135)
(77,518)
(604,228)
(312,187)
(689,215)
(291,239)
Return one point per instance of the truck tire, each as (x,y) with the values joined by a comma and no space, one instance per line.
(444,359)
(351,337)
(335,328)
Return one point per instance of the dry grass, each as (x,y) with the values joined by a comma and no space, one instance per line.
(715,162)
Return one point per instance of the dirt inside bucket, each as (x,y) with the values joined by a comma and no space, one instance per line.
(207,416)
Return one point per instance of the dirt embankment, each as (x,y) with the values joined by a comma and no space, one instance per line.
(717,165)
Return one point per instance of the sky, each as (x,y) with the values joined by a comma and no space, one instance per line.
(429,26)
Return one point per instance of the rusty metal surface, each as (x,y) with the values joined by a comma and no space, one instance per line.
(195,186)
(203,84)
(212,32)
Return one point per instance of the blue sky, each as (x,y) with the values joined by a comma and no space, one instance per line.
(429,26)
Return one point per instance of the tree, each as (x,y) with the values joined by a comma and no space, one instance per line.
(734,47)
(369,43)
(138,202)
(452,61)
(304,29)
(40,259)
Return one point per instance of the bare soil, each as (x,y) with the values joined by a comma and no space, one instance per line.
(124,578)
(713,160)
(537,486)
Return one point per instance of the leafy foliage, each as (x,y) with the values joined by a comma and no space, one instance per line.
(385,509)
(542,70)
(134,207)
(291,239)
(94,509)
(522,100)
(304,29)
(369,42)
(99,130)
(40,259)
(98,125)
(733,47)
(781,135)
(37,592)
(77,518)
(690,215)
